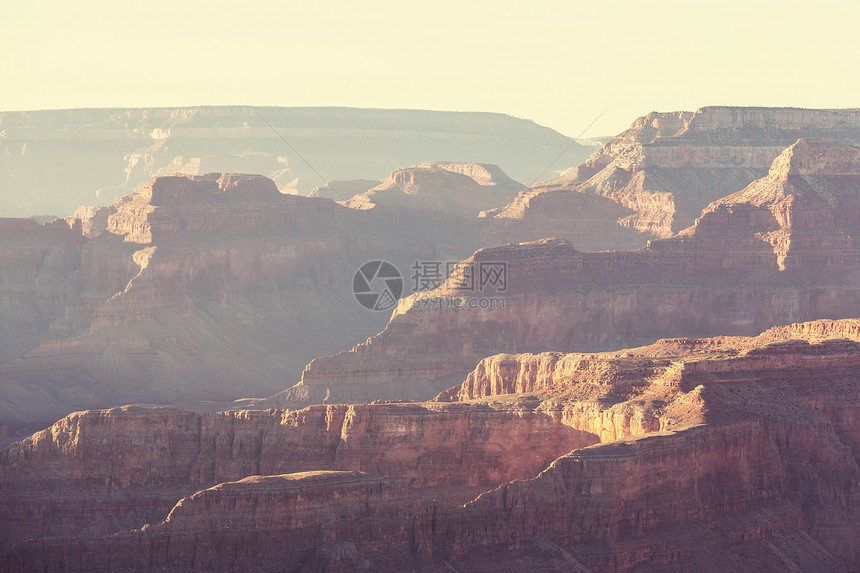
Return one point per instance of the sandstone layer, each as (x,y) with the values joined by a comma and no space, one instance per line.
(720,454)
(128,464)
(780,251)
(657,176)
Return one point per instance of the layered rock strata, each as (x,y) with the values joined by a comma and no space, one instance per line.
(737,451)
(126,464)
(201,288)
(666,168)
(780,251)
(37,263)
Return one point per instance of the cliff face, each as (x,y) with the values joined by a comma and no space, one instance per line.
(174,294)
(780,251)
(136,461)
(668,166)
(36,267)
(52,161)
(767,425)
(752,462)
(807,207)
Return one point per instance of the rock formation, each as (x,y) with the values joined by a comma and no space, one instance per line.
(688,454)
(777,252)
(148,456)
(657,176)
(201,288)
(807,207)
(556,434)
(462,188)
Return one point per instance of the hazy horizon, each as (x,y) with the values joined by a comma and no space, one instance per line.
(560,65)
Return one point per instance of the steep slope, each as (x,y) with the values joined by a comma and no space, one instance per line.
(722,454)
(780,251)
(54,161)
(807,207)
(665,169)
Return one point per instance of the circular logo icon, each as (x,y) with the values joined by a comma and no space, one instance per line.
(377,285)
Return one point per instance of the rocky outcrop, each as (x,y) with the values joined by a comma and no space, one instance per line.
(189,206)
(667,167)
(93,220)
(463,188)
(752,463)
(588,221)
(53,161)
(807,207)
(694,362)
(778,252)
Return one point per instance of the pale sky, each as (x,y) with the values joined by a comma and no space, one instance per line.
(559,63)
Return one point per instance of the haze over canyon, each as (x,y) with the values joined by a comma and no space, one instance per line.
(638,355)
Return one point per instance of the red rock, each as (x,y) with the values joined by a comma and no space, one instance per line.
(136,460)
(755,464)
(807,208)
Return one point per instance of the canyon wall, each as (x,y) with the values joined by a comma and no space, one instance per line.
(105,469)
(203,288)
(36,262)
(777,252)
(757,469)
(665,169)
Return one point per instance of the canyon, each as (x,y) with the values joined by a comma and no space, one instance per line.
(649,364)
(654,179)
(686,454)
(173,296)
(197,290)
(779,251)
